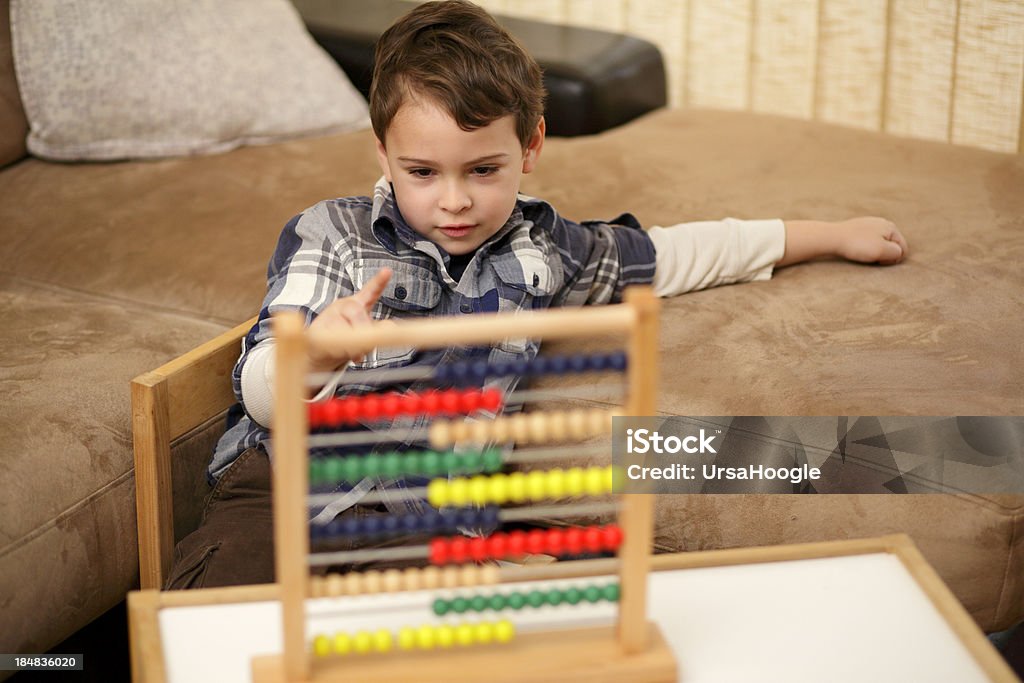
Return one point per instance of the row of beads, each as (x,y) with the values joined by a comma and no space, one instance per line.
(348,410)
(557,542)
(409,579)
(475,372)
(426,637)
(336,469)
(524,428)
(519,487)
(431,521)
(517,600)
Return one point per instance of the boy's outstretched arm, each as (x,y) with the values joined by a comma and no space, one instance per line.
(866,239)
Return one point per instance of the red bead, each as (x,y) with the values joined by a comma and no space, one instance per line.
(458,549)
(314,415)
(469,400)
(449,402)
(390,405)
(478,548)
(438,551)
(554,542)
(573,539)
(370,407)
(592,539)
(331,413)
(535,541)
(349,410)
(490,400)
(411,404)
(430,403)
(497,545)
(612,535)
(516,542)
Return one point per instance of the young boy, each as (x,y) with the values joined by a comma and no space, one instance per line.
(457,108)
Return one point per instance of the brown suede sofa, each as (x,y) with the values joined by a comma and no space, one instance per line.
(113,269)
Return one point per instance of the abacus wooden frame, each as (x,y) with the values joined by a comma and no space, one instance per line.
(635,649)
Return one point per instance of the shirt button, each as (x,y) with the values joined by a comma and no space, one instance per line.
(400,292)
(536,279)
(466,308)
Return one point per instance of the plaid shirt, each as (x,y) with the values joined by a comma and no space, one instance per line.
(536,260)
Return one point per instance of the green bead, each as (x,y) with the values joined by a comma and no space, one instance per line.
(554,597)
(492,460)
(333,470)
(431,463)
(592,594)
(573,596)
(611,592)
(316,472)
(535,598)
(441,607)
(450,462)
(498,602)
(460,605)
(391,464)
(478,603)
(412,462)
(516,600)
(371,465)
(471,462)
(349,469)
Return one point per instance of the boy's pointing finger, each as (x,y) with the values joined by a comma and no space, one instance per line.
(372,290)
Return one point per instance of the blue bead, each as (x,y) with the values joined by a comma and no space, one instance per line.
(617,361)
(431,521)
(500,369)
(460,372)
(489,515)
(412,522)
(391,524)
(520,366)
(442,373)
(467,517)
(479,370)
(539,366)
(350,526)
(558,364)
(578,362)
(372,526)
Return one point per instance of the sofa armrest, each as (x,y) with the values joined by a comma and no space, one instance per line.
(595,80)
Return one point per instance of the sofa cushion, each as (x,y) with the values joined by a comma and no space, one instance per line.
(68,517)
(13,125)
(156,78)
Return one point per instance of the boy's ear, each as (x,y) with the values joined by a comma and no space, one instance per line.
(382,159)
(532,151)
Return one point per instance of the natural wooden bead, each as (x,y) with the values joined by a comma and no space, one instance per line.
(499,429)
(489,575)
(538,426)
(520,428)
(372,581)
(440,434)
(392,580)
(460,431)
(430,578)
(577,423)
(335,584)
(480,431)
(450,577)
(469,575)
(353,583)
(316,587)
(411,579)
(558,428)
(597,422)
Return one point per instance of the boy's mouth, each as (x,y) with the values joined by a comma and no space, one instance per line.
(457,231)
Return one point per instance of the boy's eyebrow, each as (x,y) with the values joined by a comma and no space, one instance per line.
(480,160)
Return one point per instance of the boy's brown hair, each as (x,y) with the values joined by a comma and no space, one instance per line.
(455,54)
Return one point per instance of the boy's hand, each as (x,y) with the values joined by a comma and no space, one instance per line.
(869,239)
(346,313)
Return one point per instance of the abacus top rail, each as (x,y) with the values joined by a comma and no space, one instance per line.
(484,327)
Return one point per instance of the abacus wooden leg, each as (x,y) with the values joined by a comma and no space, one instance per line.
(592,655)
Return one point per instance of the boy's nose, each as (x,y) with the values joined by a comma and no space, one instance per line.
(455,198)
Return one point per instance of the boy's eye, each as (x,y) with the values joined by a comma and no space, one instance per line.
(421,172)
(485,170)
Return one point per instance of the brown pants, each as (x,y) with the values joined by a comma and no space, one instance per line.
(234,544)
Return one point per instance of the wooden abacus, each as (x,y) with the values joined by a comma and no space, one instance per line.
(632,650)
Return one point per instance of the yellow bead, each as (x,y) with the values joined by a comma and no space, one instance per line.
(483,632)
(458,492)
(321,646)
(574,482)
(556,483)
(407,638)
(536,485)
(425,637)
(478,490)
(504,631)
(517,487)
(445,636)
(594,481)
(362,642)
(464,634)
(342,643)
(382,640)
(609,478)
(497,488)
(437,493)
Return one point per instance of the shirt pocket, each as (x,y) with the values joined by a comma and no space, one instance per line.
(412,292)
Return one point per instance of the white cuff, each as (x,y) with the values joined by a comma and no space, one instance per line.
(258,382)
(693,256)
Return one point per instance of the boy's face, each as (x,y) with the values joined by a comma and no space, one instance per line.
(455,187)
